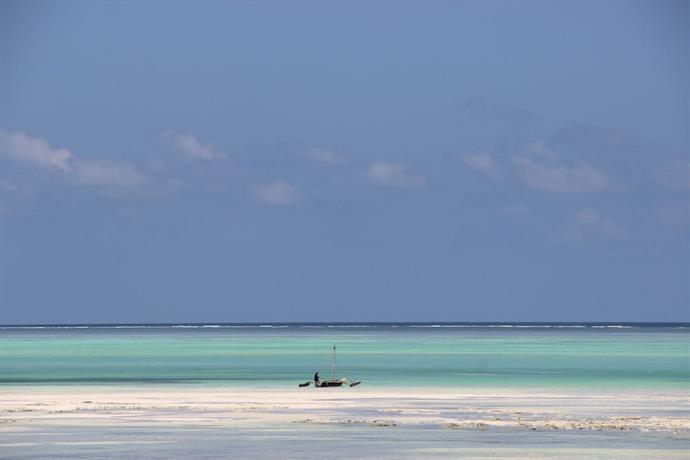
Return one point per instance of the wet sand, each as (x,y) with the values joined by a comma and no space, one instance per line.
(444,422)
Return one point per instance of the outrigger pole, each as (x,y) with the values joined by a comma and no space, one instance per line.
(333,365)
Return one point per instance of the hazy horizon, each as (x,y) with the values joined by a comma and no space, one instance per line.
(346,324)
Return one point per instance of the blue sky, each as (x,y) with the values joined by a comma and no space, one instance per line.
(179,161)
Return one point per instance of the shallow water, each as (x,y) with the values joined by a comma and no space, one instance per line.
(416,355)
(330,442)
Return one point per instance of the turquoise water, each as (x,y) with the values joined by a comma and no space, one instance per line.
(573,357)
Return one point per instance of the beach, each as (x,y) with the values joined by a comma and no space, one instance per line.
(474,423)
(122,393)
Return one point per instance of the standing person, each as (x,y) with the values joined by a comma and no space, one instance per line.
(316,379)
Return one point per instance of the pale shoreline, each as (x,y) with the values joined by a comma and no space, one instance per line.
(662,411)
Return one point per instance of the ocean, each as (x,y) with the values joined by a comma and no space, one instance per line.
(279,355)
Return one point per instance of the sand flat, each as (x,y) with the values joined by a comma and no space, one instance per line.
(667,411)
(409,423)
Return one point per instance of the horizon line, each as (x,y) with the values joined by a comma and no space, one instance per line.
(347,323)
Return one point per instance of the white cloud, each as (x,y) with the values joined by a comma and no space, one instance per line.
(540,149)
(541,169)
(322,155)
(25,149)
(277,192)
(589,221)
(392,175)
(108,174)
(191,147)
(36,152)
(483,163)
(676,176)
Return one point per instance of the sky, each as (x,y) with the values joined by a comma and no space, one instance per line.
(317,161)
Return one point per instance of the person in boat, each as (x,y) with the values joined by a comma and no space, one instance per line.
(316,379)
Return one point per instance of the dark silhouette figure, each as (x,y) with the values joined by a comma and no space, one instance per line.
(316,379)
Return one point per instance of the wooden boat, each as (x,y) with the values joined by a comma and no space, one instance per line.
(332,382)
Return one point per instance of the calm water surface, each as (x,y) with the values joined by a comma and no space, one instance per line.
(444,355)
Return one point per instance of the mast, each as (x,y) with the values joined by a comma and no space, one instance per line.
(333,365)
